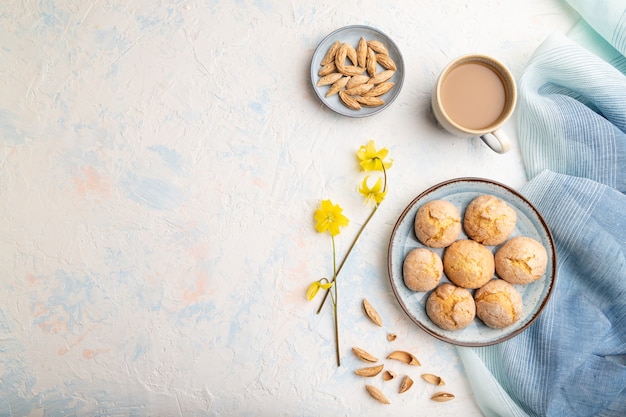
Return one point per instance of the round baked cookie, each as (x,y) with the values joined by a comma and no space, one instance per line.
(422,269)
(498,304)
(489,220)
(521,260)
(451,307)
(437,223)
(468,264)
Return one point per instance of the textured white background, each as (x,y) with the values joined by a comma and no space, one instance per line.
(160,164)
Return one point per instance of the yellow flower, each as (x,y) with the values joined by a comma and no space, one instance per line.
(315,287)
(371,159)
(329,217)
(375,194)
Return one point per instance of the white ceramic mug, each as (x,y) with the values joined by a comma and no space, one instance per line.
(474,96)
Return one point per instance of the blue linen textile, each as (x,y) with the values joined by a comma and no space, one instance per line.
(572,130)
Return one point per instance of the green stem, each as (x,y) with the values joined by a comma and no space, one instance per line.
(384,177)
(337,333)
(335,299)
(337,270)
(347,255)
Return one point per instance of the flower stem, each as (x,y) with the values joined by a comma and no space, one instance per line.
(337,334)
(384,176)
(346,257)
(334,299)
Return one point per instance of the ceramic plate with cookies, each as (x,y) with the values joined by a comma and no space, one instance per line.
(513,220)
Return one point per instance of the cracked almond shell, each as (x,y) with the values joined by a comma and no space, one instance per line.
(377,394)
(405,357)
(363,355)
(442,397)
(406,384)
(369,371)
(389,375)
(371,312)
(433,379)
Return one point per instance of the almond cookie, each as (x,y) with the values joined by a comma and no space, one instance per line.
(422,269)
(468,264)
(489,220)
(498,304)
(437,223)
(451,307)
(521,260)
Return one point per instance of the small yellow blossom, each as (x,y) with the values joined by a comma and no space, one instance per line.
(375,194)
(315,287)
(329,217)
(371,159)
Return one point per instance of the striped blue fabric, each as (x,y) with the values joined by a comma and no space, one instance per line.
(572,134)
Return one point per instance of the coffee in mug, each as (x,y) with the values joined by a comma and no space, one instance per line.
(474,96)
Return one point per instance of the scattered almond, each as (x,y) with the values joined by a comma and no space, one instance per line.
(391,337)
(363,355)
(406,384)
(377,394)
(442,397)
(433,379)
(369,371)
(405,357)
(372,313)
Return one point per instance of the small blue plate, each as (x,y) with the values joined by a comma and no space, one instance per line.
(461,192)
(351,35)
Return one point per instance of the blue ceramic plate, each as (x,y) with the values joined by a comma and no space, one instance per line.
(351,35)
(461,192)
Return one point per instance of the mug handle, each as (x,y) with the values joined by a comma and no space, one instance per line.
(497,140)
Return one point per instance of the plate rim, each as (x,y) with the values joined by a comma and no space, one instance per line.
(347,113)
(552,249)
